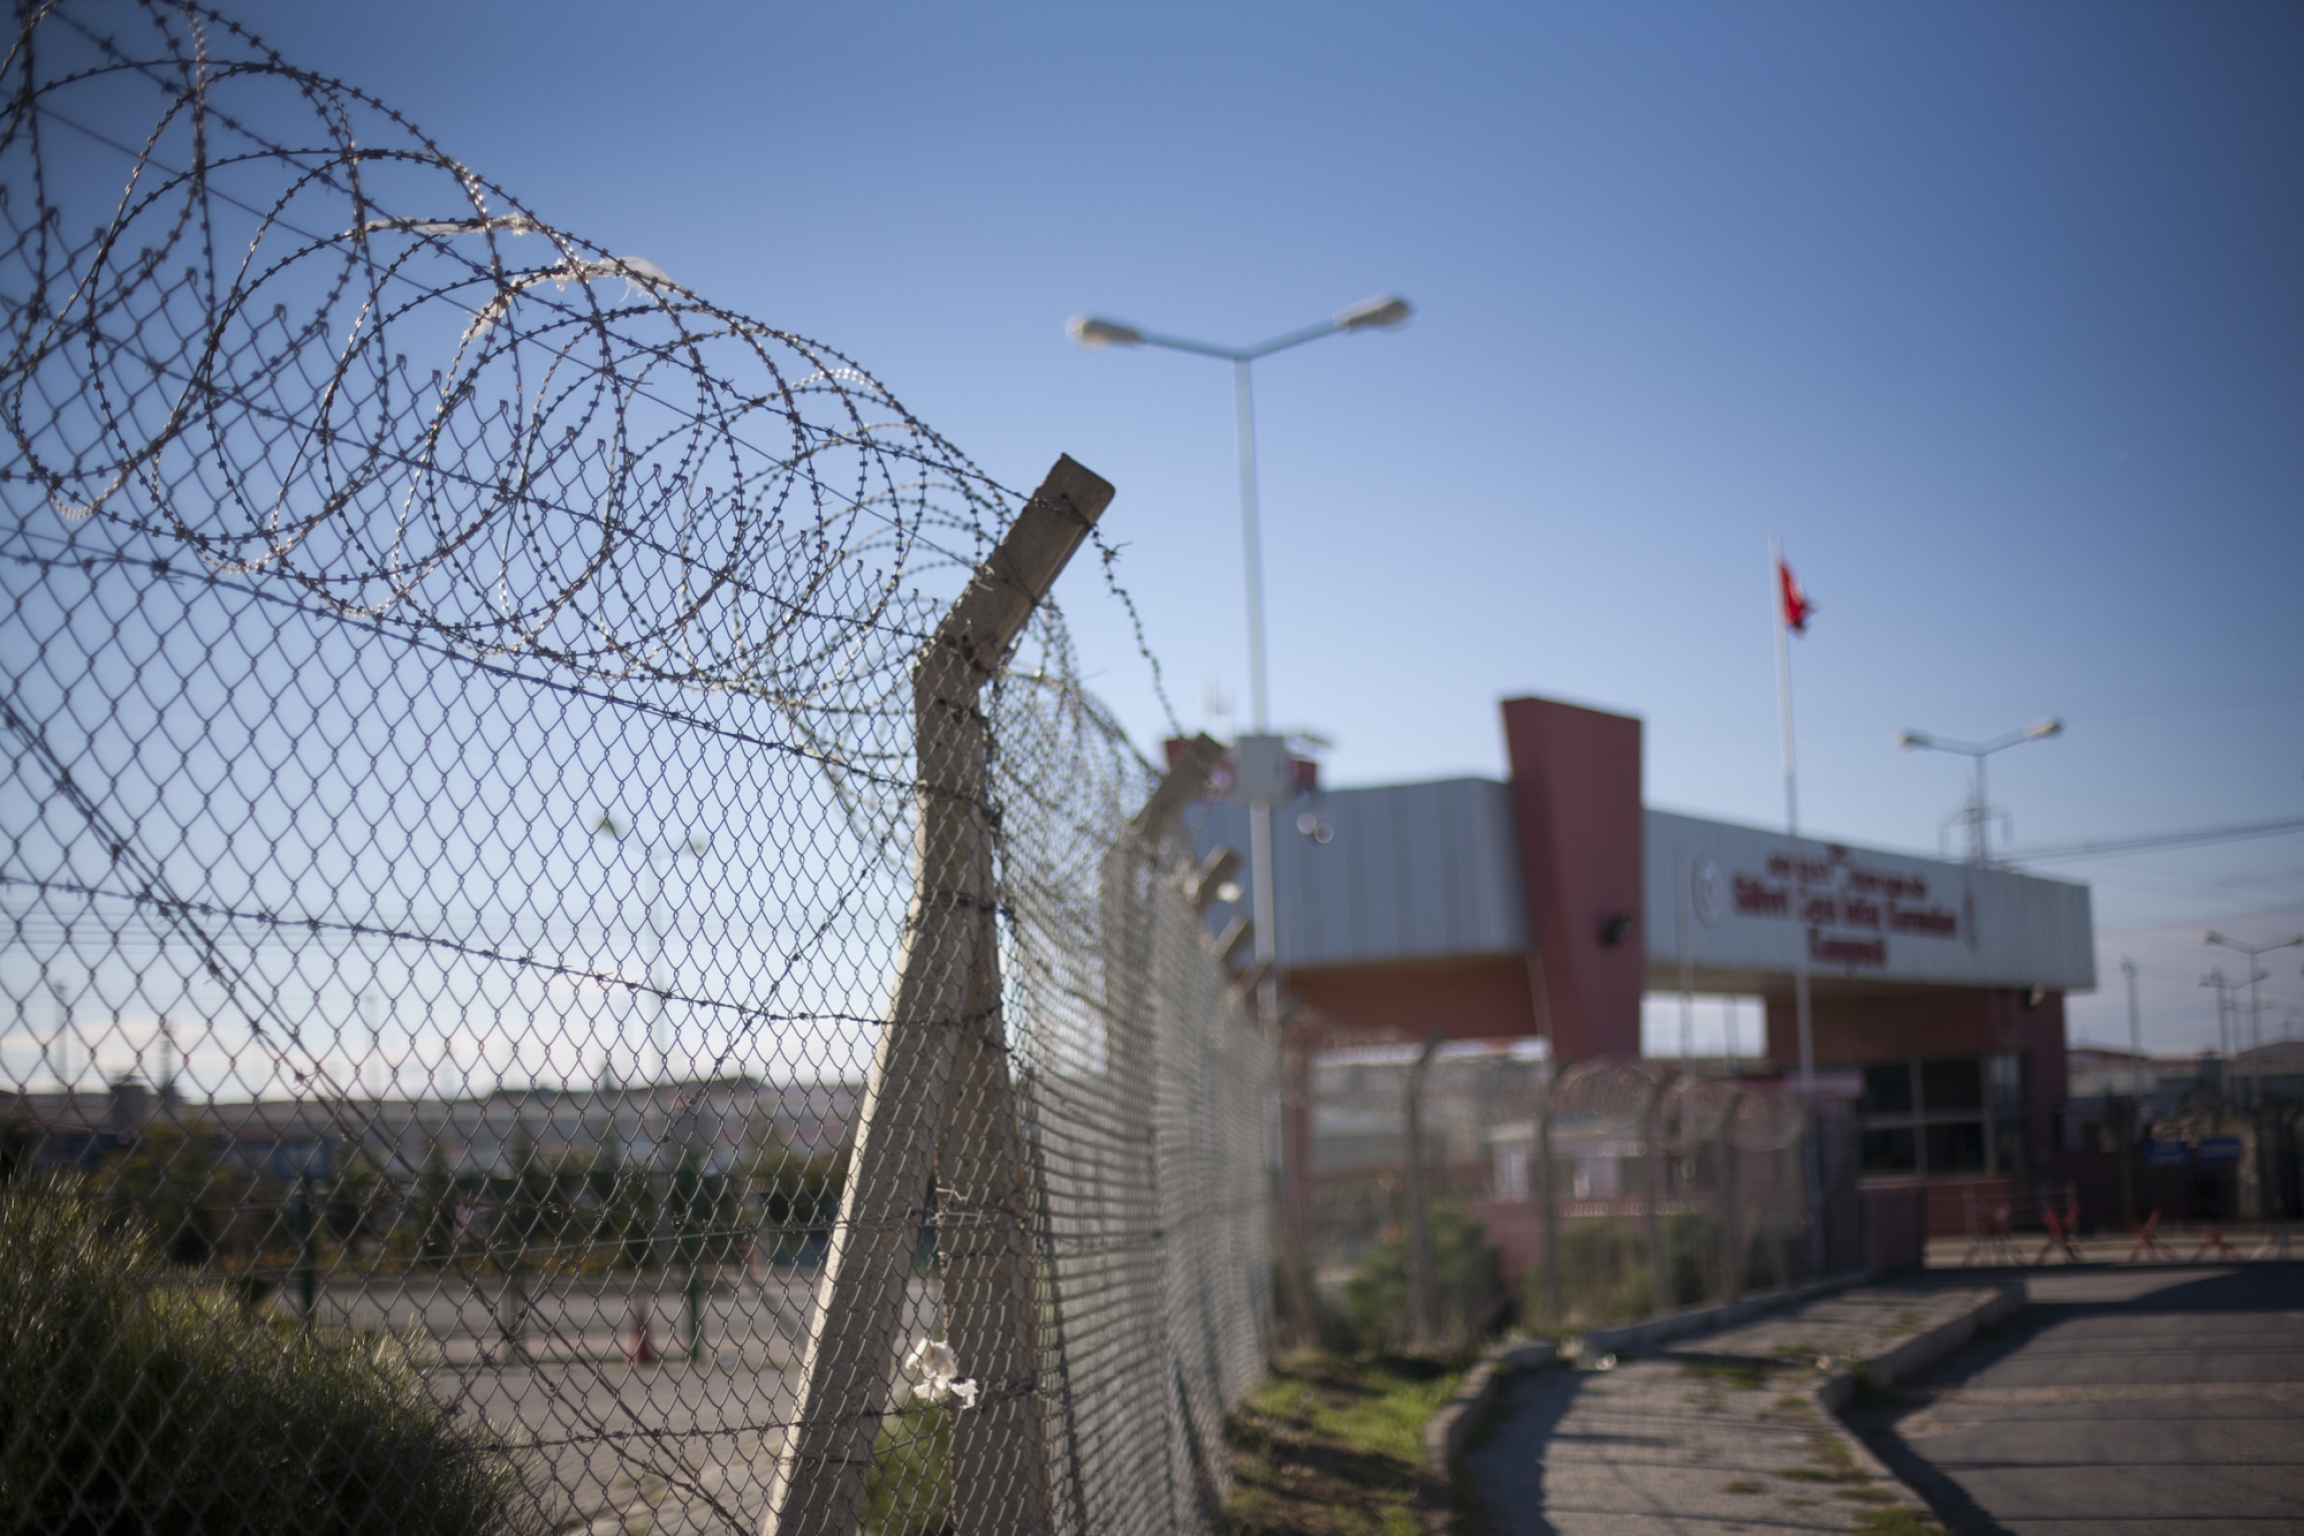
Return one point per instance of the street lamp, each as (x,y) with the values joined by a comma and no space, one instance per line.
(1979,813)
(2255,975)
(1378,313)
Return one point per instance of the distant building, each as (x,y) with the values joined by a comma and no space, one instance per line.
(289,1139)
(1549,904)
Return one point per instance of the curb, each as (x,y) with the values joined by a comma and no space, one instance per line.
(1632,1338)
(1915,1354)
(1922,1350)
(1446,1431)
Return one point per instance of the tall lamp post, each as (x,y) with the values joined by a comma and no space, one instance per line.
(1259,759)
(1374,314)
(1980,831)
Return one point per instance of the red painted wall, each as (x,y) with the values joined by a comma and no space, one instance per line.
(1473,997)
(1576,794)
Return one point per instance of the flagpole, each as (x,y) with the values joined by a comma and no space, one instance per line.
(1778,596)
(1812,1151)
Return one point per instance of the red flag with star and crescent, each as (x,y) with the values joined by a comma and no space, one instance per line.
(1797,608)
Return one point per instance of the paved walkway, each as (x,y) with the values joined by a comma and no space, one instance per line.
(1720,1432)
(2127,1401)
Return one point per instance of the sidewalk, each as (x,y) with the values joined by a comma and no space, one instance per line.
(1717,1432)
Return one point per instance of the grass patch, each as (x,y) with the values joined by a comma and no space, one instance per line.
(1808,1475)
(1831,1451)
(1741,1485)
(1903,1520)
(1793,1405)
(1329,1446)
(1906,1322)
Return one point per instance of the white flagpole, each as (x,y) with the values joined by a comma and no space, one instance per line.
(1811,1151)
(1776,600)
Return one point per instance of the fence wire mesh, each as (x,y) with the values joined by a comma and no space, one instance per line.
(1604,1191)
(569,925)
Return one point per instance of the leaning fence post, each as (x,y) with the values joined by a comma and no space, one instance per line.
(939,1098)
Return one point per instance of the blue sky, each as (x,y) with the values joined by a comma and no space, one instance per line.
(1994,312)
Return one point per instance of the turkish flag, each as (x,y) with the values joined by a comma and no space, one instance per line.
(1796,604)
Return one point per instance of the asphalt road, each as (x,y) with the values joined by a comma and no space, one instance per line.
(2153,1399)
(671,1449)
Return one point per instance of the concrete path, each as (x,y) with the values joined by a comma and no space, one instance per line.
(2142,1400)
(1719,1432)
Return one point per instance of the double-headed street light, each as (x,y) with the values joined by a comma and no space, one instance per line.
(2256,974)
(1979,813)
(1260,765)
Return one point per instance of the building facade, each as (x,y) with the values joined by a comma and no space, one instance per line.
(1550,903)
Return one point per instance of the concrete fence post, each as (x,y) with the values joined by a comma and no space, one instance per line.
(1731,1225)
(1422,1325)
(1129,917)
(1547,1194)
(1652,1141)
(939,1101)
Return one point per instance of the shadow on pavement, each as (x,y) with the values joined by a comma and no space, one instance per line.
(1506,1470)
(2064,1296)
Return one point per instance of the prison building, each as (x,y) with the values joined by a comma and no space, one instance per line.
(1549,904)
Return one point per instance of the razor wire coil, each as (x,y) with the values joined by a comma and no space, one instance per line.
(458,828)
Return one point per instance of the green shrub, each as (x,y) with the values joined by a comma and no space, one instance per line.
(133,1399)
(1467,1282)
(1692,1252)
(1605,1276)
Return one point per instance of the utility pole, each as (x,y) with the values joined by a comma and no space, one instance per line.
(2130,1132)
(2135,1034)
(1682,901)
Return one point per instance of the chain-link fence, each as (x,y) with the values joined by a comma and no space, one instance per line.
(574,953)
(1607,1191)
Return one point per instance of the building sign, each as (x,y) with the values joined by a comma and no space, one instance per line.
(1760,905)
(1846,907)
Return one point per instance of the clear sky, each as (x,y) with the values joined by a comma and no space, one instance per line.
(1994,312)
